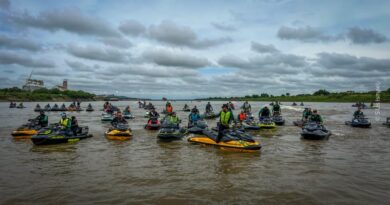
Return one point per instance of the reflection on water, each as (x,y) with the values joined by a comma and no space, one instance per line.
(352,167)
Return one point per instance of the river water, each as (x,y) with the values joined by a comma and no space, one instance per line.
(352,167)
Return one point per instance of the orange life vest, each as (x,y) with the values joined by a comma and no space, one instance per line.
(242,116)
(169,109)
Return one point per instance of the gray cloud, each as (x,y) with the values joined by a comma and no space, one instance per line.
(351,64)
(276,63)
(261,48)
(365,36)
(97,53)
(148,71)
(68,19)
(116,42)
(18,43)
(132,27)
(223,26)
(173,34)
(9,58)
(305,34)
(5,4)
(167,58)
(79,66)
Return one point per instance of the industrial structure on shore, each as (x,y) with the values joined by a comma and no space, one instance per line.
(33,84)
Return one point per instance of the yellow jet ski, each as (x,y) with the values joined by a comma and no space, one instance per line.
(26,131)
(119,132)
(266,123)
(232,140)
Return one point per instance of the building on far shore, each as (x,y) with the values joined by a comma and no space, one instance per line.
(64,85)
(32,84)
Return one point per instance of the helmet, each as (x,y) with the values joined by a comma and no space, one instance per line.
(63,114)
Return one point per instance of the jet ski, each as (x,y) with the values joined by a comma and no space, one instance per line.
(54,135)
(120,131)
(128,115)
(294,104)
(63,108)
(20,106)
(55,108)
(37,108)
(231,140)
(153,124)
(12,105)
(314,131)
(278,120)
(361,122)
(197,127)
(272,103)
(26,131)
(363,106)
(209,115)
(249,124)
(47,107)
(170,132)
(186,109)
(302,104)
(89,108)
(387,123)
(107,117)
(267,123)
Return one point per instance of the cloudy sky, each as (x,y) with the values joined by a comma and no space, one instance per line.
(187,49)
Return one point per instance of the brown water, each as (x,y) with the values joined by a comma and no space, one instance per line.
(352,167)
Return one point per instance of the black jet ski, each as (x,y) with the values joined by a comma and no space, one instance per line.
(387,123)
(197,127)
(314,131)
(89,108)
(63,107)
(170,132)
(209,115)
(37,108)
(12,105)
(54,135)
(55,108)
(302,104)
(361,122)
(20,106)
(249,124)
(278,120)
(47,107)
(294,104)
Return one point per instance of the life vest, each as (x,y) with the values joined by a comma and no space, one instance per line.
(174,120)
(242,116)
(225,117)
(169,109)
(64,122)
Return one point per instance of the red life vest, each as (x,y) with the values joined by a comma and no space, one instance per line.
(242,116)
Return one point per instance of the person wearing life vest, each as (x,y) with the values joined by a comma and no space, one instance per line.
(174,119)
(193,116)
(225,118)
(209,108)
(315,117)
(264,113)
(276,109)
(42,119)
(247,107)
(65,122)
(168,107)
(306,114)
(358,113)
(242,116)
